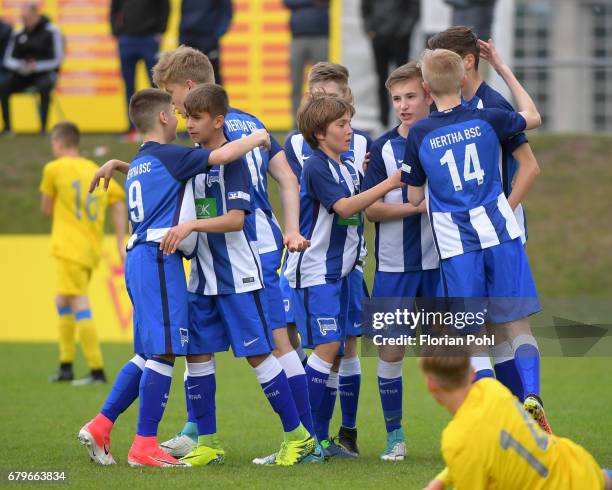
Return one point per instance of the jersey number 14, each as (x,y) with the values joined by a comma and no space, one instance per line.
(471,166)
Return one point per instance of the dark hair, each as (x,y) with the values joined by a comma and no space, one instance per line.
(145,105)
(209,98)
(459,39)
(68,133)
(317,112)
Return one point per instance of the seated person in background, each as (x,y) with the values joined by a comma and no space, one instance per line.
(33,57)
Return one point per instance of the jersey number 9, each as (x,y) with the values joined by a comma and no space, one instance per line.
(135,202)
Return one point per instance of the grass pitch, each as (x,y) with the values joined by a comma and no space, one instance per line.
(39,423)
(569,247)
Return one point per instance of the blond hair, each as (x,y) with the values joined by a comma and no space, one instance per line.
(449,366)
(409,71)
(209,98)
(182,64)
(68,133)
(317,112)
(443,71)
(324,71)
(145,106)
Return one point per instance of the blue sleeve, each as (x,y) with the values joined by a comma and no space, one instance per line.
(505,123)
(514,142)
(321,185)
(237,186)
(412,170)
(292,158)
(376,171)
(275,147)
(183,162)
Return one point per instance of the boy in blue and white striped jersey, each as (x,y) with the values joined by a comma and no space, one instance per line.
(330,217)
(406,258)
(226,303)
(332,79)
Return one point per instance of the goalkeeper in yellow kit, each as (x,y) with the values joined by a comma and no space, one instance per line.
(76,242)
(491,442)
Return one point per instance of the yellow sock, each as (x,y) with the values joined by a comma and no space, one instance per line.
(66,335)
(89,339)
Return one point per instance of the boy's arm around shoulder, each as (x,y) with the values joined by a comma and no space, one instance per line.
(239,147)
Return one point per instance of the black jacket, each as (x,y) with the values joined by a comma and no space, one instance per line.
(43,44)
(5,34)
(308,17)
(390,18)
(139,17)
(203,22)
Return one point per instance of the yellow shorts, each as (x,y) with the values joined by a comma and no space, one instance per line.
(72,278)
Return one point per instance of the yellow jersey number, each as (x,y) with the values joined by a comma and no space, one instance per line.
(91,203)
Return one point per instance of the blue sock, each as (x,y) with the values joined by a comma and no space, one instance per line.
(505,369)
(390,387)
(323,415)
(527,359)
(296,376)
(609,472)
(482,366)
(273,380)
(317,374)
(191,418)
(350,384)
(154,389)
(125,388)
(201,388)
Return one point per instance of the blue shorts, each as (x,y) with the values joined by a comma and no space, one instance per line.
(239,320)
(287,294)
(270,263)
(500,276)
(358,291)
(158,290)
(321,311)
(412,284)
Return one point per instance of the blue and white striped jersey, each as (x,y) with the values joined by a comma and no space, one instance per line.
(457,153)
(268,231)
(157,195)
(226,263)
(489,98)
(298,151)
(334,241)
(410,238)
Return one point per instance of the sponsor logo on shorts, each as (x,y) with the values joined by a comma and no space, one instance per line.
(248,280)
(406,168)
(184,336)
(327,325)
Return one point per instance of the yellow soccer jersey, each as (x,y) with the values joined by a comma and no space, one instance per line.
(493,443)
(78,217)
